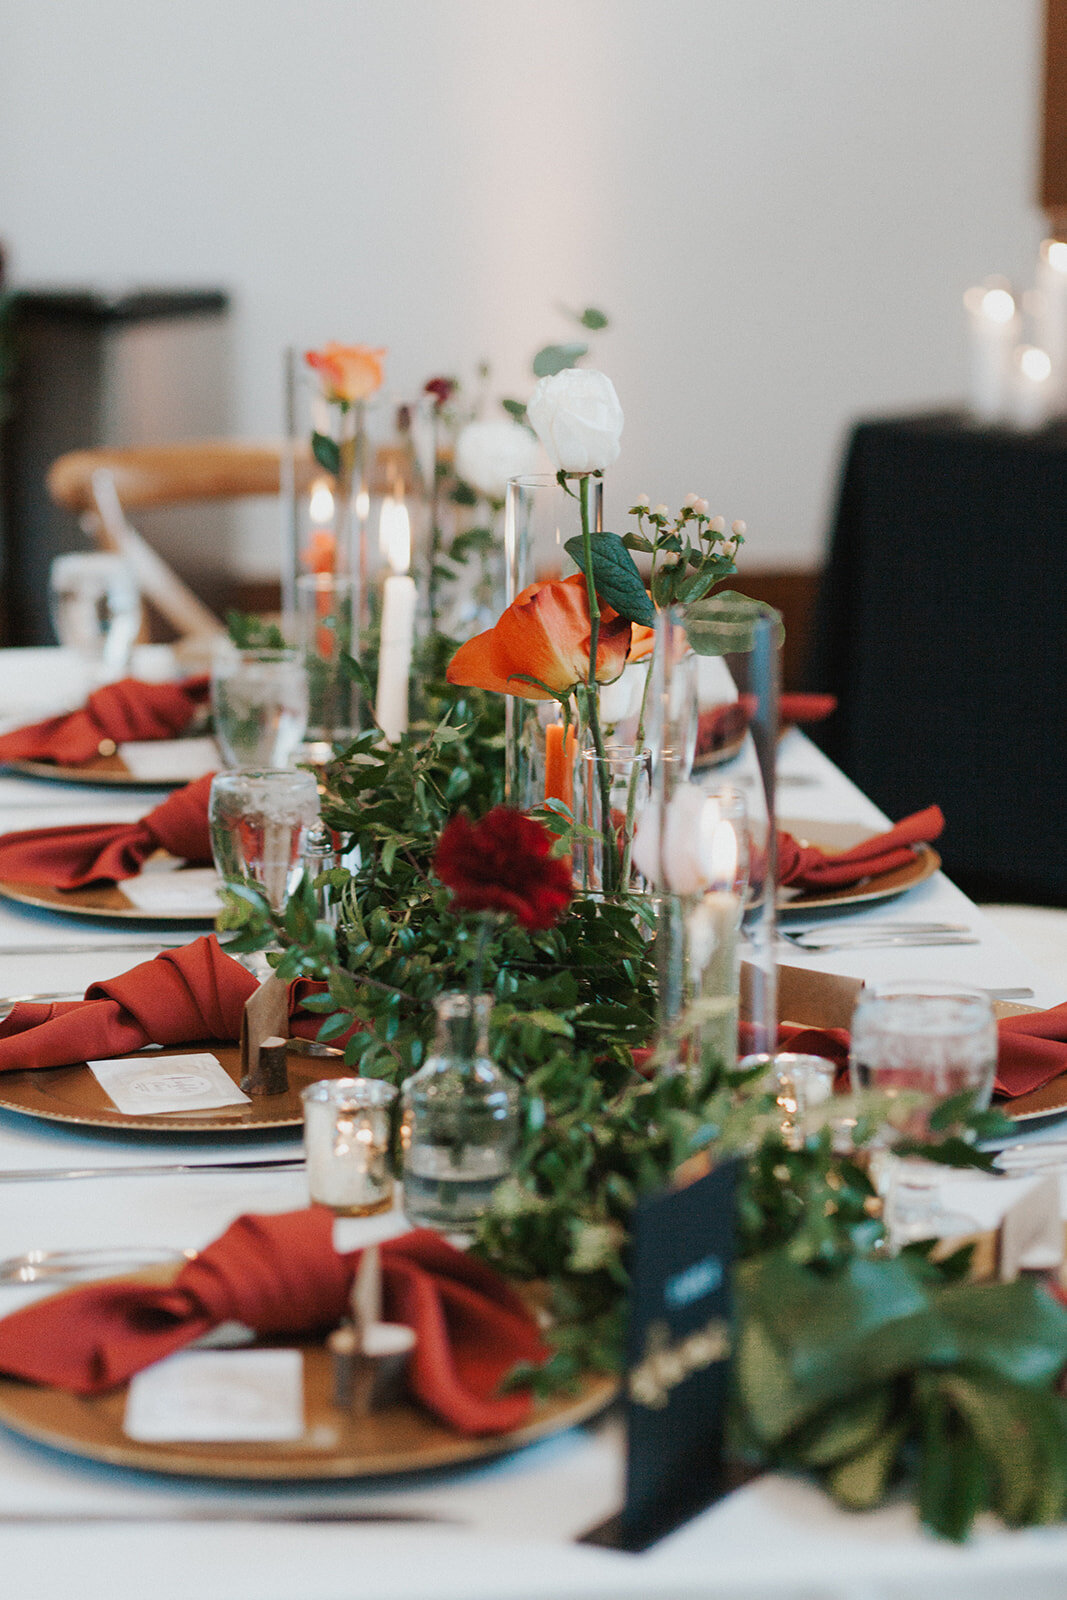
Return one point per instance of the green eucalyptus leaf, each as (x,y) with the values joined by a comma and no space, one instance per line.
(726,624)
(593,319)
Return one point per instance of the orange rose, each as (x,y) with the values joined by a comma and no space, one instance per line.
(348,371)
(544,634)
(643,642)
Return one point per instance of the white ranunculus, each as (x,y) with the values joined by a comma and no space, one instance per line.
(489,453)
(577,417)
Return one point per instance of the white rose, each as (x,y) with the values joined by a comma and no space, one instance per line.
(489,453)
(577,417)
(693,857)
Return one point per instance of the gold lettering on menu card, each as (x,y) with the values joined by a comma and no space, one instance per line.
(665,1365)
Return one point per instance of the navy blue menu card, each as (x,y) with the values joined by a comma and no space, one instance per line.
(677,1359)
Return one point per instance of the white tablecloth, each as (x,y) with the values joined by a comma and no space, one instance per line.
(514,1520)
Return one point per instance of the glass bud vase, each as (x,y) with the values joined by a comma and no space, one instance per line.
(540,516)
(460,1122)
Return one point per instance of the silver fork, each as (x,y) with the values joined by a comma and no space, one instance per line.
(874,941)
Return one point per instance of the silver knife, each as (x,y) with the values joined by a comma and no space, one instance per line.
(237,1514)
(48,1174)
(85,949)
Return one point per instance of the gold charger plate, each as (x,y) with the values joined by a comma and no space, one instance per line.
(881,886)
(105,900)
(107,771)
(398,1439)
(72,1094)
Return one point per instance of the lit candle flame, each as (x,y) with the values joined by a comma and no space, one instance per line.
(320,506)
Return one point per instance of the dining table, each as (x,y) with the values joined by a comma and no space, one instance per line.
(505,1528)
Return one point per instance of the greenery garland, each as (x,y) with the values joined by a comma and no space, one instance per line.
(863,1369)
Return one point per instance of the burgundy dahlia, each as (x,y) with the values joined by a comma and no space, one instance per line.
(503,863)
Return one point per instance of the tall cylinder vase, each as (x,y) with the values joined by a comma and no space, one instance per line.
(539,518)
(739,647)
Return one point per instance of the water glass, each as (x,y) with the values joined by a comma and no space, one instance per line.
(259,824)
(96,609)
(346,1140)
(259,703)
(926,1041)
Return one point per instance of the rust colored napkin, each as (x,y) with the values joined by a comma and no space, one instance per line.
(129,709)
(179,997)
(100,852)
(806,867)
(281,1275)
(1031,1049)
(197,992)
(723,724)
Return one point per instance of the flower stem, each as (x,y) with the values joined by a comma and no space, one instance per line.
(591,695)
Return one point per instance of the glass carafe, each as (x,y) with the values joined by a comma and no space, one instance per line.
(460,1121)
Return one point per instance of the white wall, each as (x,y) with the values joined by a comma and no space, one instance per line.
(779,201)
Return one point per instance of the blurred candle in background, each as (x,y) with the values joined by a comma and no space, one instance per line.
(1050,316)
(1032,390)
(993,331)
(398,621)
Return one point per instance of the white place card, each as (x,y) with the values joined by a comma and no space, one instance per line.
(190,892)
(139,1084)
(220,1395)
(162,760)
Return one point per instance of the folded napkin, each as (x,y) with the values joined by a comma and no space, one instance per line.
(280,1275)
(179,997)
(1031,1049)
(804,866)
(721,725)
(197,992)
(129,709)
(69,858)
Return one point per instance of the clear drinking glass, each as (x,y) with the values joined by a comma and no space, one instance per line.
(346,1140)
(259,823)
(259,702)
(925,1040)
(460,1122)
(96,609)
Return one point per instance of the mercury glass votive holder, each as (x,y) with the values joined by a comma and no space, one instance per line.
(346,1142)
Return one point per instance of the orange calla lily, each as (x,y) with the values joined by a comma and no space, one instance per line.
(543,634)
(348,371)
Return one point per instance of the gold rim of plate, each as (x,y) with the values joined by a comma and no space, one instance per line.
(72,1095)
(105,900)
(102,771)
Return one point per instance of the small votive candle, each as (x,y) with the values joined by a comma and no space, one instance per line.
(346,1141)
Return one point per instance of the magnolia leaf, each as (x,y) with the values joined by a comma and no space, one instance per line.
(326,452)
(726,624)
(615,575)
(860,1483)
(845,1430)
(555,357)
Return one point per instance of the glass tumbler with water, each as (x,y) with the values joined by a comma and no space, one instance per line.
(259,703)
(96,609)
(926,1041)
(259,823)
